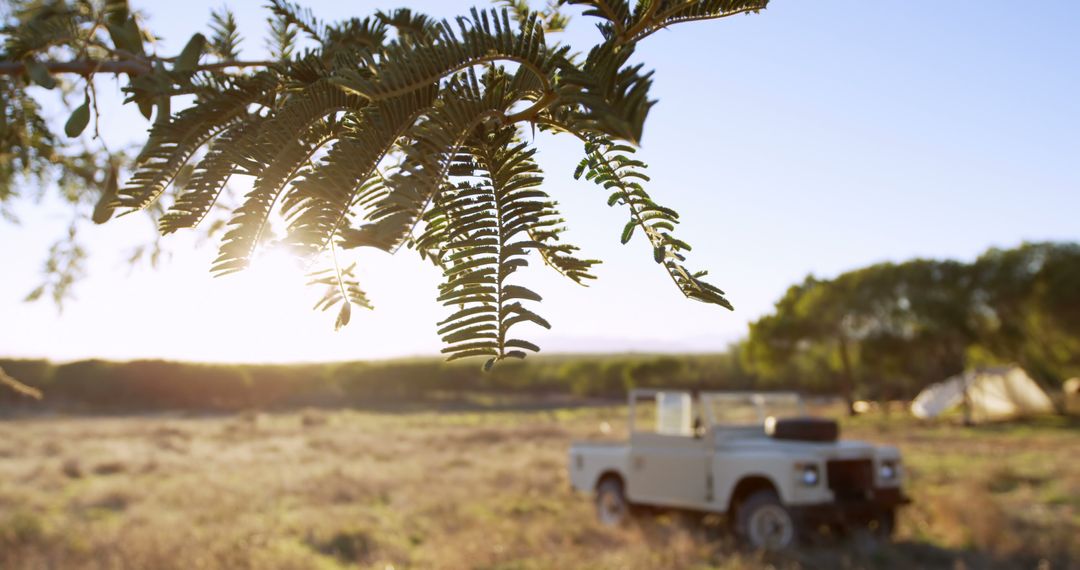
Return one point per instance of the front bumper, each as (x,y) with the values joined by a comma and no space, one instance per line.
(873,505)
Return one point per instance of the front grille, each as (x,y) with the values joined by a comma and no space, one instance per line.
(850,479)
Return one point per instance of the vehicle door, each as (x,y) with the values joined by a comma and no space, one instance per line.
(669,464)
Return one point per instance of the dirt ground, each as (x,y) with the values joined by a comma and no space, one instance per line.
(473,490)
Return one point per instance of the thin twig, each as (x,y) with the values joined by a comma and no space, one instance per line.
(19,387)
(90,67)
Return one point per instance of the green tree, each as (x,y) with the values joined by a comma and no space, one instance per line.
(390,131)
(874,330)
(888,330)
(812,333)
(1028,308)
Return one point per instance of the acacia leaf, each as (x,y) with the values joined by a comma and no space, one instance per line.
(189,57)
(40,74)
(78,120)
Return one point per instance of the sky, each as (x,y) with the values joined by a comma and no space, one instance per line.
(814,137)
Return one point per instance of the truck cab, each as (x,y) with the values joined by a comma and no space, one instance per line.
(753,456)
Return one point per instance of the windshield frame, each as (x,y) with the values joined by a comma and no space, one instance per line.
(765,404)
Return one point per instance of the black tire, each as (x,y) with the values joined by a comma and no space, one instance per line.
(612,508)
(763,523)
(803,429)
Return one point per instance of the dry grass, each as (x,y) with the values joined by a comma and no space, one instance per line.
(319,489)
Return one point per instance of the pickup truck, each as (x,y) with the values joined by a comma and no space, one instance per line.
(757,458)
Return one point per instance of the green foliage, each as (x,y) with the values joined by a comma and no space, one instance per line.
(610,166)
(888,330)
(626,24)
(27,145)
(553,19)
(393,130)
(64,266)
(479,230)
(225,38)
(189,58)
(341,287)
(80,117)
(40,75)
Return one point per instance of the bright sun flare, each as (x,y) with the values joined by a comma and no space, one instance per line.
(269,308)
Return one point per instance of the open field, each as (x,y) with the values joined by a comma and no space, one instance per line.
(478,489)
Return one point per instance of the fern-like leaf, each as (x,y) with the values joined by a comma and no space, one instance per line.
(246,227)
(173,142)
(207,181)
(340,289)
(487,230)
(607,96)
(609,165)
(286,146)
(485,37)
(412,27)
(325,197)
(225,34)
(291,15)
(659,14)
(462,108)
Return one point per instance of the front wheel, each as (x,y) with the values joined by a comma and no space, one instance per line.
(612,508)
(763,523)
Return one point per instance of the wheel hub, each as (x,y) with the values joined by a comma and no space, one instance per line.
(771,527)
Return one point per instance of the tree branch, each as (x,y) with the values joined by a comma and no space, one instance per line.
(19,387)
(642,23)
(650,31)
(87,68)
(81,67)
(533,110)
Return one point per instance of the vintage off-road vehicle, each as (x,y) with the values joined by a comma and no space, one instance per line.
(756,457)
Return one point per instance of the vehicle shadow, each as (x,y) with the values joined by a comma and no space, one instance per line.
(825,552)
(852,553)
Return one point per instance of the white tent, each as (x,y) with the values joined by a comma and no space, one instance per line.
(1072,395)
(992,393)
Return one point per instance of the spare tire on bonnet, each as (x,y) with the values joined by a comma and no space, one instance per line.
(802,429)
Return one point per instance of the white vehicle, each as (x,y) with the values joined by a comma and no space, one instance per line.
(755,457)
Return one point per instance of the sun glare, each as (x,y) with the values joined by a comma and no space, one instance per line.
(269,307)
(278,269)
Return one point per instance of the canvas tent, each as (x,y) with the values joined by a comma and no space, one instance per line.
(992,394)
(1072,396)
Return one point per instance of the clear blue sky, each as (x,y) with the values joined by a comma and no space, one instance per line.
(815,137)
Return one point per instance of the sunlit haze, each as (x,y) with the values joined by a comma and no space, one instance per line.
(815,137)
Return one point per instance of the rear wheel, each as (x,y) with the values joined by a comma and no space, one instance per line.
(764,523)
(612,508)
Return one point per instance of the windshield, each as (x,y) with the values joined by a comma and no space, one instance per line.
(751,409)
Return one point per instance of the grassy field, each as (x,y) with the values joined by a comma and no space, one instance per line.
(347,489)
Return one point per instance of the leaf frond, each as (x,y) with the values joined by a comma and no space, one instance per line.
(172,142)
(610,165)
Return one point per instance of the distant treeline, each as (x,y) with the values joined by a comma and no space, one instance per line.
(881,332)
(143,385)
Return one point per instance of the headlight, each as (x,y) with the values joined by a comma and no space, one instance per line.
(809,475)
(887,471)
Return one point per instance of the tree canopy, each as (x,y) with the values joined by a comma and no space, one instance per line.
(887,330)
(387,131)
